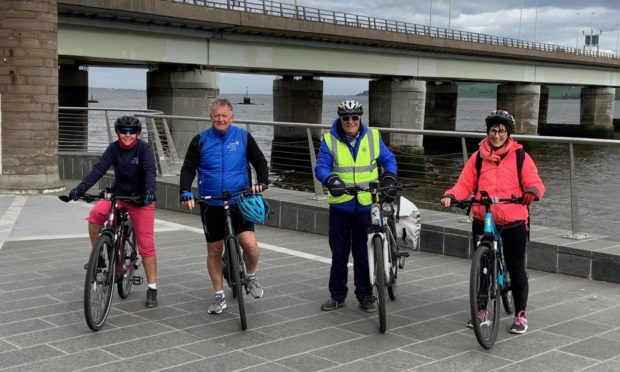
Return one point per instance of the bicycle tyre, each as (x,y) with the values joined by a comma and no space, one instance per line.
(484,295)
(99,283)
(232,245)
(508,301)
(377,245)
(393,249)
(128,257)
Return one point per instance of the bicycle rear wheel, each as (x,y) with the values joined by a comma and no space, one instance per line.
(393,274)
(232,245)
(377,245)
(128,259)
(484,296)
(99,283)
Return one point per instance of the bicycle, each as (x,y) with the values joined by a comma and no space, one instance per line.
(489,279)
(234,267)
(113,259)
(382,244)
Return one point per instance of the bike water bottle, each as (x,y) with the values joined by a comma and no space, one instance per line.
(375,214)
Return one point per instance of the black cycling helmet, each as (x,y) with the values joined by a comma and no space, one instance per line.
(350,107)
(128,122)
(501,117)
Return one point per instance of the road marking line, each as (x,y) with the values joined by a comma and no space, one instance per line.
(7,222)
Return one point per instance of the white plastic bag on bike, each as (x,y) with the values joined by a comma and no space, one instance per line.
(409,225)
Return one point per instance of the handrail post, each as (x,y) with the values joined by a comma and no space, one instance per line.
(574,204)
(109,130)
(318,188)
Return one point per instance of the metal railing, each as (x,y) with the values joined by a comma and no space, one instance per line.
(292,163)
(276,9)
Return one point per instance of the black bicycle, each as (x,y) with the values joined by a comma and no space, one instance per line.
(113,259)
(488,279)
(384,255)
(234,267)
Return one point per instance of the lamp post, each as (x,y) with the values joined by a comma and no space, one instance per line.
(617,37)
(577,39)
(430,14)
(520,19)
(449,15)
(536,23)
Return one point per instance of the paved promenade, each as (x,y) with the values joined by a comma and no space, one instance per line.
(574,322)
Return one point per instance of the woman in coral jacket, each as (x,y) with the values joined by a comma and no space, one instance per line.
(499,177)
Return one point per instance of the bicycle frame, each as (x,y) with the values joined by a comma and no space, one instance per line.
(379,228)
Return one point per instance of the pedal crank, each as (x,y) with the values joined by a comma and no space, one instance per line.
(401,259)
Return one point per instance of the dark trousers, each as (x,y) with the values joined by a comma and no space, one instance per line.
(348,233)
(515,242)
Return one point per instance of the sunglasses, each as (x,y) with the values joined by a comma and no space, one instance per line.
(347,118)
(128,130)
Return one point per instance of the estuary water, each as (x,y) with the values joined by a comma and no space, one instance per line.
(597,167)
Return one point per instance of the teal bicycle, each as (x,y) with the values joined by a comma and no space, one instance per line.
(488,279)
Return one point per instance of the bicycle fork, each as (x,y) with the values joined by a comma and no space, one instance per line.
(371,257)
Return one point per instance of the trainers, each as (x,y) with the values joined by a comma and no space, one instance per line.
(368,305)
(330,305)
(254,287)
(151,297)
(519,326)
(484,320)
(219,304)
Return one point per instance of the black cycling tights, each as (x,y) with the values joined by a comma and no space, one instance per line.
(515,241)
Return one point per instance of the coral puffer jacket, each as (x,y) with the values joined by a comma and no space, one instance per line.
(500,180)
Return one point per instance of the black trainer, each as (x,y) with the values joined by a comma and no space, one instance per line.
(151,298)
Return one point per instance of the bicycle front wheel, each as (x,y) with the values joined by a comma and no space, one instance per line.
(128,257)
(232,246)
(99,283)
(377,245)
(484,296)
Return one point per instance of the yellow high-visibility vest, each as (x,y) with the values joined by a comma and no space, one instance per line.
(359,171)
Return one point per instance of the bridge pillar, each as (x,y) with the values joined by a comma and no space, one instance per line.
(29,96)
(398,104)
(522,101)
(543,107)
(441,103)
(597,106)
(301,101)
(72,124)
(183,93)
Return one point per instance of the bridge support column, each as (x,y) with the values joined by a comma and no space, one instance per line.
(543,107)
(440,114)
(597,106)
(301,101)
(29,96)
(72,124)
(522,101)
(184,93)
(398,104)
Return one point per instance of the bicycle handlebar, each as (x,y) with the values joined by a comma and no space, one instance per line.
(89,198)
(485,200)
(374,186)
(226,195)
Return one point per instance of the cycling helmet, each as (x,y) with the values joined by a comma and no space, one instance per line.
(501,117)
(350,107)
(127,122)
(253,208)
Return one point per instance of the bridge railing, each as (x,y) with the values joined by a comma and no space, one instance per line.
(277,9)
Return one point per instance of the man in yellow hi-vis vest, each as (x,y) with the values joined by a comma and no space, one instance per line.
(351,154)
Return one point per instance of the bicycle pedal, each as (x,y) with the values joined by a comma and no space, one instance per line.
(137,280)
(403,254)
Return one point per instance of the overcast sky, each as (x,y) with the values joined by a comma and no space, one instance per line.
(560,22)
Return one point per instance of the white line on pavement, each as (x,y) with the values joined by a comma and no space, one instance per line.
(10,217)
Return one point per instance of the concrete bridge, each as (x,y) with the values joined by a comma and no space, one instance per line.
(414,69)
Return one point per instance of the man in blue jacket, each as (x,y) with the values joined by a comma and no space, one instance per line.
(350,155)
(221,156)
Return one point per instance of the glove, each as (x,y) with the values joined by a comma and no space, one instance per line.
(187,196)
(335,185)
(149,197)
(75,194)
(527,198)
(389,180)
